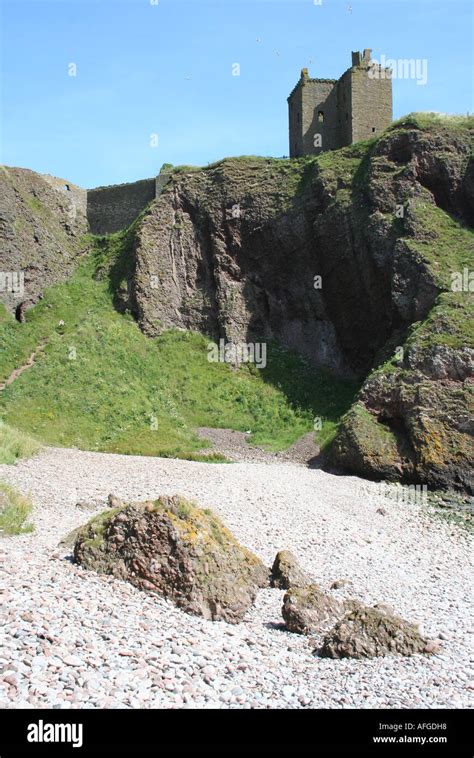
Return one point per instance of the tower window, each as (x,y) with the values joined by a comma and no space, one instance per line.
(321,116)
(374,129)
(299,117)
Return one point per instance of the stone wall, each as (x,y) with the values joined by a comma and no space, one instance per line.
(371,104)
(320,116)
(343,111)
(110,209)
(295,108)
(344,95)
(312,111)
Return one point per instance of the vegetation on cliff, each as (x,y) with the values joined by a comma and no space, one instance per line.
(411,420)
(98,383)
(231,250)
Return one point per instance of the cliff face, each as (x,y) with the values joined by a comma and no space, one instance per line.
(348,258)
(233,251)
(229,252)
(42,223)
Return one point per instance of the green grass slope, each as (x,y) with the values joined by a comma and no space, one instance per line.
(98,383)
(15,444)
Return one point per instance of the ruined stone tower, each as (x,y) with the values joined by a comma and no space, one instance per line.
(325,114)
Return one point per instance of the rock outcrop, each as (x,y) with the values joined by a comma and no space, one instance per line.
(286,572)
(228,251)
(177,550)
(42,228)
(371,632)
(412,420)
(352,629)
(233,250)
(353,258)
(309,609)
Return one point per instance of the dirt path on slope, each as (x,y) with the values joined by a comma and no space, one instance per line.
(18,371)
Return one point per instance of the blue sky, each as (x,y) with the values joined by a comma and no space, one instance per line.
(165,69)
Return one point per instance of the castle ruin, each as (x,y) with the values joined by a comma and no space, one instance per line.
(326,114)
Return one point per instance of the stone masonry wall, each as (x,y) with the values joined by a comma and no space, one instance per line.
(320,116)
(343,111)
(371,104)
(344,95)
(110,209)
(309,99)
(295,109)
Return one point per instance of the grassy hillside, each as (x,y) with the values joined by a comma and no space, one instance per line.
(98,383)
(15,444)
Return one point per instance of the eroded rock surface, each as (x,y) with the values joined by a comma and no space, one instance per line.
(371,632)
(286,572)
(233,250)
(309,609)
(347,258)
(171,547)
(42,228)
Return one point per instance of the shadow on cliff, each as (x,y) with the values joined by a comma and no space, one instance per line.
(309,390)
(114,258)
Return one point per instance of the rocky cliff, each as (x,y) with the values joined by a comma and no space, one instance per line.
(42,228)
(350,259)
(360,259)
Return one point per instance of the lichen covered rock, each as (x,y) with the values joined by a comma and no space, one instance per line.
(171,547)
(412,422)
(309,609)
(371,632)
(286,572)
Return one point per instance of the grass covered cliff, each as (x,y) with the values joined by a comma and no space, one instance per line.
(343,264)
(352,259)
(97,382)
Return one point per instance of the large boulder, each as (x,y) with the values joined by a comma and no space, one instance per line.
(371,632)
(309,609)
(171,547)
(286,572)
